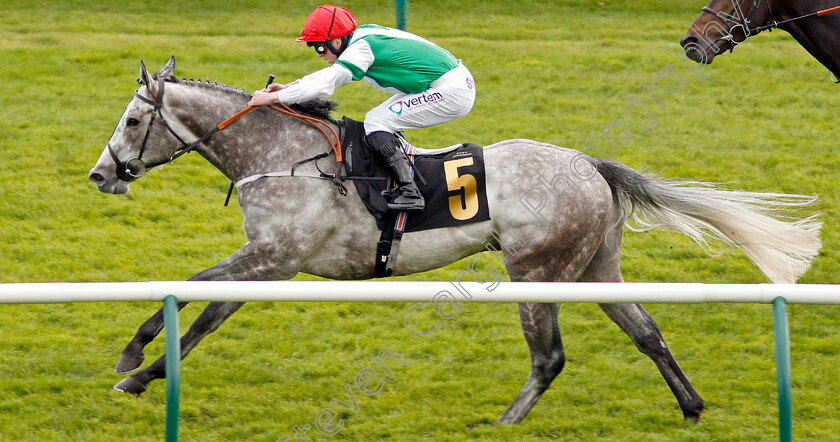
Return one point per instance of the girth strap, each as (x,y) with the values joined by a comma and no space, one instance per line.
(389,245)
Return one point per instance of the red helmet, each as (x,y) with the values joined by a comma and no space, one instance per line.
(326,23)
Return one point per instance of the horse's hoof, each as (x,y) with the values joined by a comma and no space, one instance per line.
(692,413)
(129,363)
(692,418)
(131,386)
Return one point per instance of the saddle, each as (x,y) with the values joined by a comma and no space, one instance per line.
(451,179)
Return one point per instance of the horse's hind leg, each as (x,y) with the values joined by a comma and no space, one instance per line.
(132,355)
(645,333)
(539,321)
(639,325)
(207,322)
(542,332)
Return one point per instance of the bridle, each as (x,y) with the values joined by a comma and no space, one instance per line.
(730,20)
(745,21)
(740,20)
(135,167)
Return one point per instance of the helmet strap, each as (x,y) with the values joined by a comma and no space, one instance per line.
(335,51)
(328,43)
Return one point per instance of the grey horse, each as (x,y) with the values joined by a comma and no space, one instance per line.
(556,215)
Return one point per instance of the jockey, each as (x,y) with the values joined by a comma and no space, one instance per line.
(431,86)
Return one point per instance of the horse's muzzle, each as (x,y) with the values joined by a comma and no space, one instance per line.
(695,50)
(105,185)
(97,178)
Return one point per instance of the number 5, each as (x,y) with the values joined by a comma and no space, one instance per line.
(456,182)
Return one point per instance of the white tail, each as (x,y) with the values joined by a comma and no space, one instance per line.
(757,223)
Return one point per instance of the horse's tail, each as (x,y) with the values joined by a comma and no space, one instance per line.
(757,223)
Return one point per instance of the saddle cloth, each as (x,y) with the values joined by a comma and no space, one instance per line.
(455,188)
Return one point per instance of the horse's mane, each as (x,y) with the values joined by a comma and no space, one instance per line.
(317,108)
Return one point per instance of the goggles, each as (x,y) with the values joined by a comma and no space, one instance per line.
(320,48)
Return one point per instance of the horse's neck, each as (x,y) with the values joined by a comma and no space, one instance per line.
(261,141)
(820,43)
(818,35)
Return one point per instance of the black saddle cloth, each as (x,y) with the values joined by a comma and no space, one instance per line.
(455,188)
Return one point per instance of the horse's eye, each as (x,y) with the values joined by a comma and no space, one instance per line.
(132,122)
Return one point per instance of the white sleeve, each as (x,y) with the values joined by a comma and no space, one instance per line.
(359,56)
(318,84)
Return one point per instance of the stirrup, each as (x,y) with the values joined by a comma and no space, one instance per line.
(415,206)
(407,199)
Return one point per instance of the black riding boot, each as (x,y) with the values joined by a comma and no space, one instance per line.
(408,197)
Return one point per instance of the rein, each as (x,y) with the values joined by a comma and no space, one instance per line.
(775,24)
(314,122)
(135,167)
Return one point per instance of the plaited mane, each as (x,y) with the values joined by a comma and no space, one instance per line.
(317,108)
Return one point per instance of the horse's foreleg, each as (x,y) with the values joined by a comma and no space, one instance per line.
(645,333)
(237,266)
(210,319)
(254,261)
(133,355)
(542,332)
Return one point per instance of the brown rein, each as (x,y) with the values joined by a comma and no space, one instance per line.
(321,125)
(286,110)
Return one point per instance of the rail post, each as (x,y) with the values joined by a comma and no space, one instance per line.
(173,366)
(783,375)
(401,14)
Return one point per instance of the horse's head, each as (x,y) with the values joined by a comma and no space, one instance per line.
(722,25)
(143,138)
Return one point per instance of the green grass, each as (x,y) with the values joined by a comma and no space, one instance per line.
(763,120)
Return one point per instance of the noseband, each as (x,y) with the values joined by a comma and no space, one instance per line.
(135,167)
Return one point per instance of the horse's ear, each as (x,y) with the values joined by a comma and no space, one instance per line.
(144,78)
(168,70)
(147,80)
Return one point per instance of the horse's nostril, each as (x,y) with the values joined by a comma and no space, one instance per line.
(96,178)
(687,40)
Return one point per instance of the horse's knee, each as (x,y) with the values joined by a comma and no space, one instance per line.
(145,334)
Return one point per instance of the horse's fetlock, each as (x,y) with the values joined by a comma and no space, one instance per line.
(142,338)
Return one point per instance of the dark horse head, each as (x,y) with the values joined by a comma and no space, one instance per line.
(724,24)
